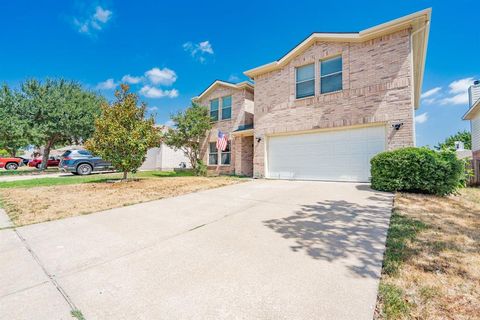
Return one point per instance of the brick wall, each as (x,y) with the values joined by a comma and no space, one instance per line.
(377,88)
(226,126)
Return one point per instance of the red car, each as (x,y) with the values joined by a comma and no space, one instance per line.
(37,162)
(10,163)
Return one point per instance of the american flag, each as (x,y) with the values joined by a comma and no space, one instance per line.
(221,141)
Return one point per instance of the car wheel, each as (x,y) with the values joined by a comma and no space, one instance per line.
(84,169)
(38,165)
(11,166)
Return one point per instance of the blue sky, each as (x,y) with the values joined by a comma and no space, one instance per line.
(171,51)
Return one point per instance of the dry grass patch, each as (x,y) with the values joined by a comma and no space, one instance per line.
(39,204)
(432,263)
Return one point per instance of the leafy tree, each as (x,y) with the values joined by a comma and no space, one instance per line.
(59,112)
(122,134)
(449,143)
(190,129)
(14,128)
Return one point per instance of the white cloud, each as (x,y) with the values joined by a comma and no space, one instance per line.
(199,50)
(108,84)
(458,91)
(163,76)
(152,92)
(421,118)
(152,109)
(429,100)
(205,47)
(460,86)
(169,123)
(102,15)
(131,79)
(95,21)
(461,98)
(431,92)
(233,78)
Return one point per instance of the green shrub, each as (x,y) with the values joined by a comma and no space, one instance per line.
(200,169)
(419,170)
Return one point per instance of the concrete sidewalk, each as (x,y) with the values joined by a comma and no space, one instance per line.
(257,250)
(32,176)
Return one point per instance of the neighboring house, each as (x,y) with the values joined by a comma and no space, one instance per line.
(473,114)
(323,110)
(164,158)
(461,152)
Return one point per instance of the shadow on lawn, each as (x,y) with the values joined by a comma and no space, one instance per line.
(338,230)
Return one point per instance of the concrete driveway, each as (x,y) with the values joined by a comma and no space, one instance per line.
(256,250)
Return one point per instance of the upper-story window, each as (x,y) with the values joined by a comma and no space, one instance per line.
(305,81)
(214,109)
(227,107)
(331,75)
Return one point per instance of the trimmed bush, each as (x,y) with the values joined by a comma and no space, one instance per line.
(418,170)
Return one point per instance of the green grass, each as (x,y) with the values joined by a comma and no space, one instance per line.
(94,178)
(402,229)
(77,314)
(394,304)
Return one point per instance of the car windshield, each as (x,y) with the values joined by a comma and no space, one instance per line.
(66,153)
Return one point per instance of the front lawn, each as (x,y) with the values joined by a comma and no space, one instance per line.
(45,199)
(432,263)
(96,177)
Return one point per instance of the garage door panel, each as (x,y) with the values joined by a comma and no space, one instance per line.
(342,155)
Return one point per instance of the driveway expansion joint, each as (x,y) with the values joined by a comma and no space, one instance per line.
(51,277)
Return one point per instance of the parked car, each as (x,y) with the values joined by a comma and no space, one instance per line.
(37,162)
(82,162)
(10,163)
(25,161)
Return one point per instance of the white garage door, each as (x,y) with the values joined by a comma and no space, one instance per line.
(340,155)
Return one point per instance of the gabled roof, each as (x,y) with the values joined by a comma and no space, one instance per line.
(216,83)
(419,22)
(472,111)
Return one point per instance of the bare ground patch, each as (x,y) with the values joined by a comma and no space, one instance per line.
(39,204)
(432,263)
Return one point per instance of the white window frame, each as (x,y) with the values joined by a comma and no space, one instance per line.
(231,102)
(218,109)
(297,82)
(210,152)
(330,74)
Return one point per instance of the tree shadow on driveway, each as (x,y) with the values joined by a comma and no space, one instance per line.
(339,230)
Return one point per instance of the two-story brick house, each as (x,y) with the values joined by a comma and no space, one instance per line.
(323,110)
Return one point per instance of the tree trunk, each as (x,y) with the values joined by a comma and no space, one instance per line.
(46,154)
(125,173)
